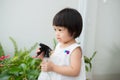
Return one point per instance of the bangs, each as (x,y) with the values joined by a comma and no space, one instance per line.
(64,19)
(59,20)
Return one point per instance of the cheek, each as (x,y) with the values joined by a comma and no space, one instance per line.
(66,37)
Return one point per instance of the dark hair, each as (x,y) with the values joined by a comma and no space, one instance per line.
(70,19)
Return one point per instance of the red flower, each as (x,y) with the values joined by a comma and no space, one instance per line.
(4,57)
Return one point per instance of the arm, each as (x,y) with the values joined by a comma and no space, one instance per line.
(75,65)
(72,70)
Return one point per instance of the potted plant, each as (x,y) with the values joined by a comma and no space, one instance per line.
(19,67)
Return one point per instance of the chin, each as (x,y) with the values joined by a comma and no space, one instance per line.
(59,41)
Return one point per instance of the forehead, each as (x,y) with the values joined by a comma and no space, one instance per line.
(59,27)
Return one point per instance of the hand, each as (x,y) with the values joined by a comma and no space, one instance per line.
(41,56)
(47,66)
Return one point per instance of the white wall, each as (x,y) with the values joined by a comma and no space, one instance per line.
(102,25)
(29,21)
(107,38)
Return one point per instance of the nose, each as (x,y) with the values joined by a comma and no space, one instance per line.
(57,33)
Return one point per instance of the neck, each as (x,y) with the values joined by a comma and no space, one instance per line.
(66,44)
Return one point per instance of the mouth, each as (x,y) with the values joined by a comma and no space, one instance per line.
(58,38)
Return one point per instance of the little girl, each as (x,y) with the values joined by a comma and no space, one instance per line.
(66,62)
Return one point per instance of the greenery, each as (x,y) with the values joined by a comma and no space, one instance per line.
(19,67)
(88,62)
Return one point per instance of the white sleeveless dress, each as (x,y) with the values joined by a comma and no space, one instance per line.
(61,56)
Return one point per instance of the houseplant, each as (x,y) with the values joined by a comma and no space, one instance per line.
(21,66)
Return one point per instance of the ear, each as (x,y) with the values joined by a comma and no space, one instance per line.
(74,34)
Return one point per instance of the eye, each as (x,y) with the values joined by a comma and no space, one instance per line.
(54,29)
(59,29)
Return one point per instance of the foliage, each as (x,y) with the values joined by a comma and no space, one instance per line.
(54,43)
(1,50)
(88,62)
(21,66)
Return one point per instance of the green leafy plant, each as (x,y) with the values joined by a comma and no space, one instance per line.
(21,66)
(1,50)
(88,62)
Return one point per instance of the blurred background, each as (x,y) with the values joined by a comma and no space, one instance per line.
(30,21)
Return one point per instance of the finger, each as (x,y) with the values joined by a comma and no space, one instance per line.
(41,56)
(38,50)
(44,68)
(42,63)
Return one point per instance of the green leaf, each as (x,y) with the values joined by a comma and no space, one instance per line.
(86,68)
(33,62)
(33,74)
(15,45)
(90,65)
(86,59)
(54,43)
(4,75)
(23,66)
(14,71)
(1,50)
(93,55)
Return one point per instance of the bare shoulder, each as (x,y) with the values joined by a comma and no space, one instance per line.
(75,59)
(77,51)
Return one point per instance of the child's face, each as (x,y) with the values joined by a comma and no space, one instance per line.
(62,34)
